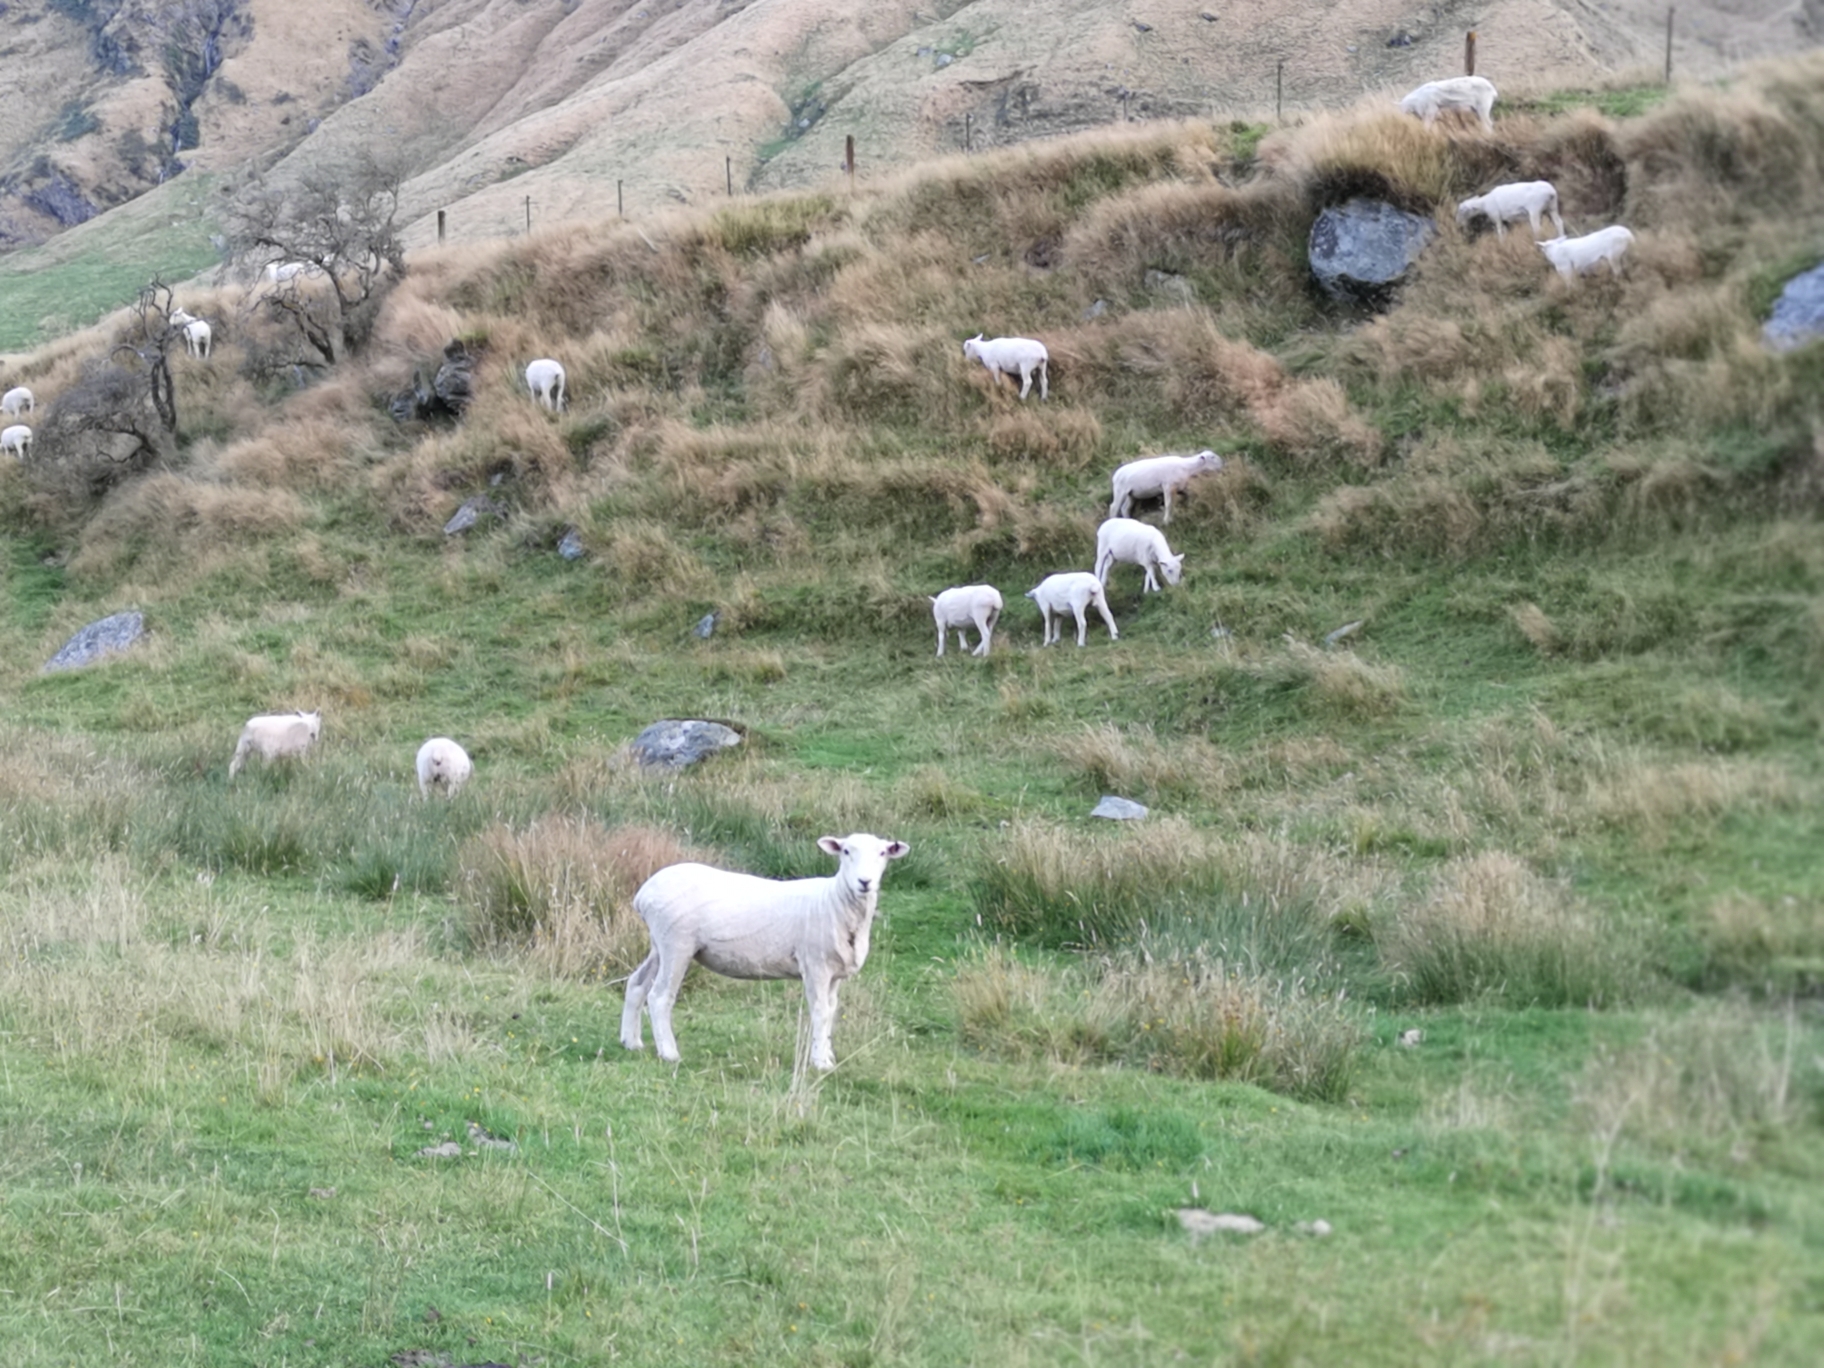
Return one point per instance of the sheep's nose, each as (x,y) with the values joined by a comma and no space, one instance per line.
(864,884)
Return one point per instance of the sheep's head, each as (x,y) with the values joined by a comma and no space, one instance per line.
(314,721)
(1172,567)
(1207,460)
(1467,211)
(863,859)
(973,348)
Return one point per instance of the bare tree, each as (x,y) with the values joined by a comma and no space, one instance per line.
(327,250)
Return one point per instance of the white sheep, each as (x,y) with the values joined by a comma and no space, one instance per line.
(16,439)
(197,334)
(276,736)
(970,603)
(278,272)
(1136,543)
(1019,356)
(747,927)
(1581,255)
(18,400)
(1072,591)
(545,378)
(1472,93)
(444,765)
(1507,204)
(1152,476)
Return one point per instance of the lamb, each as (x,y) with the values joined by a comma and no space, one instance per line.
(1474,93)
(1074,590)
(276,736)
(1581,255)
(1152,476)
(443,764)
(1137,543)
(197,335)
(18,400)
(1506,203)
(747,927)
(1019,356)
(545,378)
(16,439)
(977,603)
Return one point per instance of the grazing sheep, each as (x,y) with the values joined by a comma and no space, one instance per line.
(1470,93)
(1507,204)
(443,764)
(276,736)
(1151,476)
(16,439)
(545,378)
(747,927)
(278,272)
(1019,356)
(1074,590)
(1581,255)
(197,335)
(1137,543)
(18,400)
(977,603)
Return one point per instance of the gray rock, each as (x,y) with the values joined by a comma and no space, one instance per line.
(571,547)
(1798,314)
(98,640)
(1360,250)
(471,510)
(1174,286)
(677,745)
(1095,311)
(1119,809)
(705,628)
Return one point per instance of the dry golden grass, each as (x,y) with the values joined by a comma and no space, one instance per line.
(166,523)
(1135,762)
(1536,627)
(1311,422)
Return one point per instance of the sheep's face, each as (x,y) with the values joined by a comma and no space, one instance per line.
(863,859)
(972,349)
(1208,460)
(1172,567)
(1467,211)
(314,721)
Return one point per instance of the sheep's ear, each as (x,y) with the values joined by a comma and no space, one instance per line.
(830,845)
(896,848)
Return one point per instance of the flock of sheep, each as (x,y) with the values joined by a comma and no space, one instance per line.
(442,764)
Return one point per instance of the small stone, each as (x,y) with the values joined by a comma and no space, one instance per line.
(471,510)
(449,1149)
(1316,1229)
(705,628)
(97,641)
(1411,1039)
(571,547)
(482,1140)
(1095,310)
(1198,1223)
(944,59)
(322,1194)
(1401,39)
(1173,286)
(676,745)
(1798,314)
(1119,809)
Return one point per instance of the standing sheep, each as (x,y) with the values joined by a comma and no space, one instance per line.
(442,764)
(545,378)
(1472,94)
(1152,476)
(1072,591)
(16,439)
(1505,204)
(1010,356)
(1136,543)
(816,930)
(276,736)
(971,603)
(18,400)
(1581,255)
(197,335)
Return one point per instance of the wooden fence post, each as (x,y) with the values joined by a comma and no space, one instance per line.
(1469,53)
(528,213)
(440,227)
(620,208)
(848,157)
(1279,93)
(1670,11)
(966,132)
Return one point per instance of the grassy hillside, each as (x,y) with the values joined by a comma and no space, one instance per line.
(1553,805)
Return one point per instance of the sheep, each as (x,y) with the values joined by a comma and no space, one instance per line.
(1019,356)
(16,439)
(977,603)
(443,764)
(197,336)
(545,378)
(278,272)
(747,927)
(1137,543)
(1506,203)
(276,736)
(1581,255)
(1473,93)
(18,400)
(1152,476)
(1074,590)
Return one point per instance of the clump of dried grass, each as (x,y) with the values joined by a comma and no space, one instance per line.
(1768,945)
(1062,438)
(164,521)
(1311,422)
(1132,761)
(560,890)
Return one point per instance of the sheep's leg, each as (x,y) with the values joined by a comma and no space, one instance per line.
(984,625)
(1152,585)
(1082,624)
(667,980)
(1108,617)
(639,983)
(1557,219)
(942,632)
(1104,564)
(1168,504)
(1501,226)
(1044,380)
(820,995)
(1025,382)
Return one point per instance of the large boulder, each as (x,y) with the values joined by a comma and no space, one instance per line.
(1798,314)
(1361,249)
(109,636)
(676,745)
